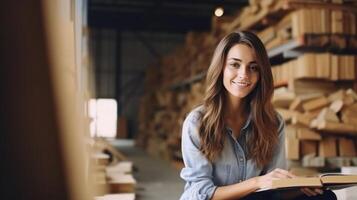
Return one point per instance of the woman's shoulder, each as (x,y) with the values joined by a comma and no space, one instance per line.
(190,127)
(195,115)
(280,122)
(279,117)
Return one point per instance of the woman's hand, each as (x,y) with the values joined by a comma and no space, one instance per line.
(266,180)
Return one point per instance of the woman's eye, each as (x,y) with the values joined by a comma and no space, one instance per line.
(254,68)
(235,65)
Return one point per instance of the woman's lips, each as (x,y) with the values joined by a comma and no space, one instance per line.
(241,83)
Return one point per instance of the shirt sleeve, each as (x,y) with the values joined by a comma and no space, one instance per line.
(279,159)
(198,170)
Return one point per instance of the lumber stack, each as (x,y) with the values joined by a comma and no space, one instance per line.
(256,15)
(161,135)
(309,21)
(193,57)
(317,66)
(267,13)
(112,172)
(320,128)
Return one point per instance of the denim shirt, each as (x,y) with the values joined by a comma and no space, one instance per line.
(203,177)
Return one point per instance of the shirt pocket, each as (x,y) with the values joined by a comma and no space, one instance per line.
(221,174)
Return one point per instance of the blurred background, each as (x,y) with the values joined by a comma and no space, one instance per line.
(94,92)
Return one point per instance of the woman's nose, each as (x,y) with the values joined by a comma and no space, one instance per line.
(242,72)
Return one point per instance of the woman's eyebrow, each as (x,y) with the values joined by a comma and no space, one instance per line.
(235,59)
(239,60)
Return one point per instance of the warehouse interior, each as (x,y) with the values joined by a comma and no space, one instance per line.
(95,92)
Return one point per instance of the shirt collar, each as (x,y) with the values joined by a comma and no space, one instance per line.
(245,126)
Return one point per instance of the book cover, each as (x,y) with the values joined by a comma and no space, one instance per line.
(324,181)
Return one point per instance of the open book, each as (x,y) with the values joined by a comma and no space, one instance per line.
(325,181)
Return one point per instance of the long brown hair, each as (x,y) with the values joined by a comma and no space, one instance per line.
(264,121)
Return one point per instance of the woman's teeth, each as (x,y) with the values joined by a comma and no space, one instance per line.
(241,83)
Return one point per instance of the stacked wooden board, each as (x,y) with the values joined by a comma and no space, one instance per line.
(317,65)
(321,128)
(263,13)
(312,21)
(112,172)
(161,135)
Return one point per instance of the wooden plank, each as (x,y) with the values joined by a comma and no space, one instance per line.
(301,99)
(334,127)
(327,114)
(100,158)
(313,86)
(308,148)
(303,119)
(282,98)
(349,114)
(292,148)
(300,4)
(315,104)
(102,144)
(286,114)
(121,183)
(352,93)
(336,106)
(123,167)
(267,35)
(327,147)
(337,95)
(337,19)
(346,147)
(307,134)
(123,196)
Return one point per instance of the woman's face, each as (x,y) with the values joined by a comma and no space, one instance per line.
(240,72)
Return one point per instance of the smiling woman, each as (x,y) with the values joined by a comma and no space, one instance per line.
(233,144)
(240,74)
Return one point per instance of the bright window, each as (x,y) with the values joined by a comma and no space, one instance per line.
(103,115)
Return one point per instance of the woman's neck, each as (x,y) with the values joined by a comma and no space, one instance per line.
(236,108)
(235,115)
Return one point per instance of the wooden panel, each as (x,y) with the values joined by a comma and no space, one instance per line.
(39,125)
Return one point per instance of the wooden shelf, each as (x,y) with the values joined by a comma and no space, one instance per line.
(267,18)
(189,81)
(279,84)
(334,43)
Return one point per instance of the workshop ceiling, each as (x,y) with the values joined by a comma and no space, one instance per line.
(158,15)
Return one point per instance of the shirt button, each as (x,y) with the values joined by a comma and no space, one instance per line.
(241,159)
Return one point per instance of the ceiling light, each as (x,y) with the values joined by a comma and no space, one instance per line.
(219,11)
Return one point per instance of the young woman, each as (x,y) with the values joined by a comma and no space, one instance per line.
(233,144)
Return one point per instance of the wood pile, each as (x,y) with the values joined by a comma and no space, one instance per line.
(160,130)
(263,13)
(317,65)
(112,171)
(321,128)
(193,56)
(309,21)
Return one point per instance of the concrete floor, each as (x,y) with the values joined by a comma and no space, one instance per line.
(156,179)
